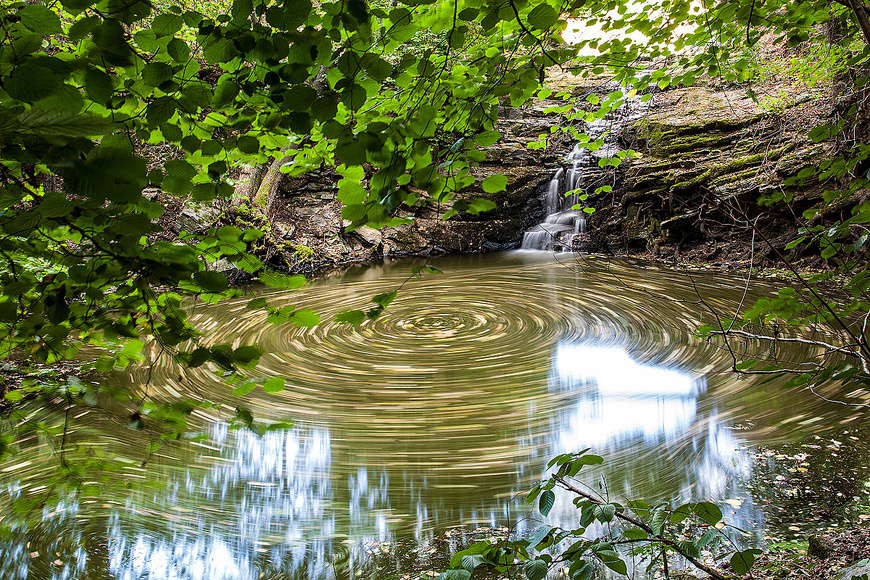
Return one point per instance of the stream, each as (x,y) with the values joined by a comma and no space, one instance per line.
(431,421)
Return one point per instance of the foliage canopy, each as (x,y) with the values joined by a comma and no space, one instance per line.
(86,86)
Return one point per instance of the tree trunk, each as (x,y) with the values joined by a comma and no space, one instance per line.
(248,183)
(860,10)
(265,194)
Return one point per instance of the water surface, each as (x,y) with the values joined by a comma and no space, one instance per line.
(437,416)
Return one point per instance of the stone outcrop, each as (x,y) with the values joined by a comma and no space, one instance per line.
(706,157)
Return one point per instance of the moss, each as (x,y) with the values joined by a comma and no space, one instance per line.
(243,215)
(737,176)
(303,252)
(734,167)
(681,144)
(819,547)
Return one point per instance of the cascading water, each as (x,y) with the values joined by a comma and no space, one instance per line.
(564,227)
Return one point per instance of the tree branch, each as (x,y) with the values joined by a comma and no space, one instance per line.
(640,524)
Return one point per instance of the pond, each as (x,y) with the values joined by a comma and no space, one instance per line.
(431,420)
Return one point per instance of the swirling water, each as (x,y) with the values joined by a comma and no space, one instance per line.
(436,416)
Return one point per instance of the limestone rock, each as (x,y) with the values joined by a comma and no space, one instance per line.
(222,265)
(370,236)
(857,571)
(284,231)
(196,220)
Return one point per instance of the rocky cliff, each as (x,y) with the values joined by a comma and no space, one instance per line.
(706,158)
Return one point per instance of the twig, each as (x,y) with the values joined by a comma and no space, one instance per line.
(640,524)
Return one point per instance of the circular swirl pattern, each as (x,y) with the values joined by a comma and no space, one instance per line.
(488,325)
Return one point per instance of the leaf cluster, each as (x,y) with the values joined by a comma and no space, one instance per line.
(609,533)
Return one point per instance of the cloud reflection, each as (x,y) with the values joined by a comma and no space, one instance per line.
(649,424)
(618,398)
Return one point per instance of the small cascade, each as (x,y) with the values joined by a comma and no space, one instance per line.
(564,228)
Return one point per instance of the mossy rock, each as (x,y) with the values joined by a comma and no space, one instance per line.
(819,547)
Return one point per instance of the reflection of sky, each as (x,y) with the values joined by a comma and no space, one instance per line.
(617,397)
(18,557)
(646,422)
(262,496)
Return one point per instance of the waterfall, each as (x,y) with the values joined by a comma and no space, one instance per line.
(564,227)
(563,224)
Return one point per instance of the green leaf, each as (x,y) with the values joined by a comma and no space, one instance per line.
(379,70)
(545,504)
(178,50)
(542,17)
(225,94)
(495,183)
(218,51)
(167,24)
(689,548)
(274,385)
(39,18)
(76,6)
(353,97)
(539,535)
(535,569)
(584,570)
(82,27)
(31,82)
(64,124)
(351,192)
(351,152)
(455,575)
(305,318)
(300,97)
(350,316)
(617,565)
(256,303)
(248,144)
(126,11)
(156,73)
(635,534)
(211,281)
(384,300)
(14,396)
(744,365)
(324,109)
(276,280)
(244,388)
(479,205)
(98,85)
(160,110)
(659,517)
(681,513)
(244,416)
(795,242)
(8,310)
(487,138)
(246,354)
(472,561)
(741,562)
(606,512)
(65,98)
(178,177)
